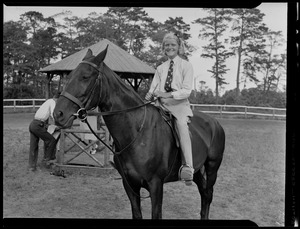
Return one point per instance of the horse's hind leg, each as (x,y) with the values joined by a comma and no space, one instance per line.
(205,186)
(201,184)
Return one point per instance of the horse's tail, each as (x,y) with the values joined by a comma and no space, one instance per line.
(217,146)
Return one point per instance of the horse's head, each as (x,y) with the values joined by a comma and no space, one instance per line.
(82,91)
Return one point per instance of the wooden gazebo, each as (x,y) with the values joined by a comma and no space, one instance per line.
(121,62)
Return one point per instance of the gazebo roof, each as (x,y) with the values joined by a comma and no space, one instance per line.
(116,59)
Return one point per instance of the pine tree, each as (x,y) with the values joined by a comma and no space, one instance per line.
(250,29)
(212,28)
(271,64)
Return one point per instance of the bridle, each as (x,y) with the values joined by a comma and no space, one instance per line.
(82,112)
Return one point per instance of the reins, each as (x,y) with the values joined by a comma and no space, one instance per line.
(117,112)
(106,113)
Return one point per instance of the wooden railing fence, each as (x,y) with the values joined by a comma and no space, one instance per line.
(32,105)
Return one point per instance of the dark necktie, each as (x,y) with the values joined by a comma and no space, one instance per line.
(169,77)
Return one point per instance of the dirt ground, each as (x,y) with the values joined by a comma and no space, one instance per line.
(250,182)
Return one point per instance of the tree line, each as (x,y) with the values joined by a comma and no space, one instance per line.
(34,41)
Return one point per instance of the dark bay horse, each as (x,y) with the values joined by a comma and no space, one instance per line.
(147,153)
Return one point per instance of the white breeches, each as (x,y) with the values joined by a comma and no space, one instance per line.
(185,141)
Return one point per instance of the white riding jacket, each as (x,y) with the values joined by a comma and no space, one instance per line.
(182,85)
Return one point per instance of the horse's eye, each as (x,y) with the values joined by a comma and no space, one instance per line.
(85,77)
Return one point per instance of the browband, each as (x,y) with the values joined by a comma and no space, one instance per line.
(90,63)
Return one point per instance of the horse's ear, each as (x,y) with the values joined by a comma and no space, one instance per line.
(88,54)
(101,56)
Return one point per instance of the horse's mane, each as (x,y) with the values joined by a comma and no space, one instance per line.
(122,83)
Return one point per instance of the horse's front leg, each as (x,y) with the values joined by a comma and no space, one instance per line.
(133,193)
(156,193)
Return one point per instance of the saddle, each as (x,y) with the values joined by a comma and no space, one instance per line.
(170,120)
(201,138)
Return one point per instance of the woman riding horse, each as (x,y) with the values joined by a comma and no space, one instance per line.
(172,84)
(147,155)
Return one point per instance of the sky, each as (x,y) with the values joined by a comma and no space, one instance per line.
(275,18)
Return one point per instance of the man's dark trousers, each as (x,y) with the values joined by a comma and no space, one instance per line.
(38,130)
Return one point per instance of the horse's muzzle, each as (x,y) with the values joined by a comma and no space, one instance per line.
(58,119)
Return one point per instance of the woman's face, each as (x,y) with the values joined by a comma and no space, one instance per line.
(171,48)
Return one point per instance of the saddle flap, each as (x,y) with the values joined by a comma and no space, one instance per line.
(170,120)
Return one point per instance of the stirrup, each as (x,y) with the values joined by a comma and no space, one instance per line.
(186,174)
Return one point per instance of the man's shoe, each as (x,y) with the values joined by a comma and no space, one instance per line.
(46,163)
(51,162)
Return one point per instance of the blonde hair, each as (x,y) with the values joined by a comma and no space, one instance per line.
(179,41)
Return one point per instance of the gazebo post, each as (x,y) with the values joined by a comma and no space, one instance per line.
(49,78)
(59,82)
(136,85)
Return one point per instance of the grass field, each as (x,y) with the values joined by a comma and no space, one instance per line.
(250,182)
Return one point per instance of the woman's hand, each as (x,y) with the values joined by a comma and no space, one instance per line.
(148,96)
(163,95)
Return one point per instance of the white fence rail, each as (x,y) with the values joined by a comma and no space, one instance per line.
(221,110)
(19,103)
(246,111)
